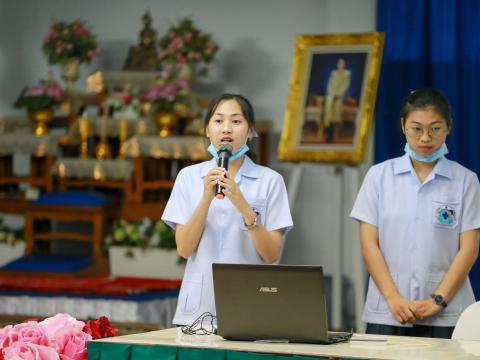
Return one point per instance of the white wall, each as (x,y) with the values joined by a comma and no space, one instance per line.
(256,39)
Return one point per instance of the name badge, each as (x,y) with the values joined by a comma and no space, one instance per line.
(446,215)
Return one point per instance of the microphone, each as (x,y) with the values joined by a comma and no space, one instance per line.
(224,153)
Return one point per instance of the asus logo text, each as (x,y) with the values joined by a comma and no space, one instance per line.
(266,289)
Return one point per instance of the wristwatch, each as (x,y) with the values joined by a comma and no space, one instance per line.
(439,300)
(252,225)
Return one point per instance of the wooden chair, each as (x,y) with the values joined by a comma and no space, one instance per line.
(62,207)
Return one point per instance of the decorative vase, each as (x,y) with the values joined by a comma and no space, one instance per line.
(165,121)
(70,72)
(41,119)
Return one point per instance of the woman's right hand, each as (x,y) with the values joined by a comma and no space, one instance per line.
(212,178)
(403,309)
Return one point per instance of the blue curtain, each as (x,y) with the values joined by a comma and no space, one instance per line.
(431,43)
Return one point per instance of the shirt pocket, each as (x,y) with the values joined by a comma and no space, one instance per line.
(446,212)
(191,293)
(259,206)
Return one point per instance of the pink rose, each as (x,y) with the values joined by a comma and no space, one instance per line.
(28,351)
(73,345)
(4,331)
(29,332)
(60,324)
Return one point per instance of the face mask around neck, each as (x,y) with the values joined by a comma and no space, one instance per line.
(442,151)
(237,154)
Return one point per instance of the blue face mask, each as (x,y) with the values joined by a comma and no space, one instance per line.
(443,150)
(237,154)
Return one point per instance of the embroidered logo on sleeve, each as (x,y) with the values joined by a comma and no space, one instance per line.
(446,215)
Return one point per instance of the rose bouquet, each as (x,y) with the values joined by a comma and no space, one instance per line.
(47,94)
(70,40)
(186,44)
(58,337)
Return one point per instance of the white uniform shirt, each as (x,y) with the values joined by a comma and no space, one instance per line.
(419,225)
(225,238)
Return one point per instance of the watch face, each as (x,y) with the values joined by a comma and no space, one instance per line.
(438,299)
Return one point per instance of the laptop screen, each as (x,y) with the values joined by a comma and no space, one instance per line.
(270,302)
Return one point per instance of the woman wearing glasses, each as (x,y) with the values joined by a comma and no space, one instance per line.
(419,217)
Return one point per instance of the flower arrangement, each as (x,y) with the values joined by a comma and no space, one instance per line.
(124,103)
(47,94)
(70,40)
(185,44)
(169,88)
(58,337)
(144,234)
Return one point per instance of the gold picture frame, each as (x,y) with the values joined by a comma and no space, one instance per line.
(331,99)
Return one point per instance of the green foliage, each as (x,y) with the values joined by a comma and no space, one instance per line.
(144,234)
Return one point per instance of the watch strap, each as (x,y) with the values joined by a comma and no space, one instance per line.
(252,225)
(439,300)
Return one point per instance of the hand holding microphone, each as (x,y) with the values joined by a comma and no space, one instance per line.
(224,153)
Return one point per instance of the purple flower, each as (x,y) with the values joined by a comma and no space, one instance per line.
(35,90)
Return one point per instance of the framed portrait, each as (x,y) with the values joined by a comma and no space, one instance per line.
(331,99)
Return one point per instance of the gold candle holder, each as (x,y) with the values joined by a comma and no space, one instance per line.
(84,125)
(122,137)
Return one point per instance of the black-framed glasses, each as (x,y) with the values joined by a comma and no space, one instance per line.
(433,131)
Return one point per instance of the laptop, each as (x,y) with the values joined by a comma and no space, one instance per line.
(274,303)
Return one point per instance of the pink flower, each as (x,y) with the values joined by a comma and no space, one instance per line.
(35,90)
(4,331)
(188,37)
(60,324)
(29,332)
(27,351)
(73,345)
(162,54)
(56,92)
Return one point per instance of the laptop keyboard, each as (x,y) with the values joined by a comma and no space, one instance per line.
(338,337)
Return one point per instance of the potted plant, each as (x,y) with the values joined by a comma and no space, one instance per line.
(70,44)
(166,98)
(144,249)
(39,100)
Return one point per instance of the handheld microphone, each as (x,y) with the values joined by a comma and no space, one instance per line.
(224,153)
